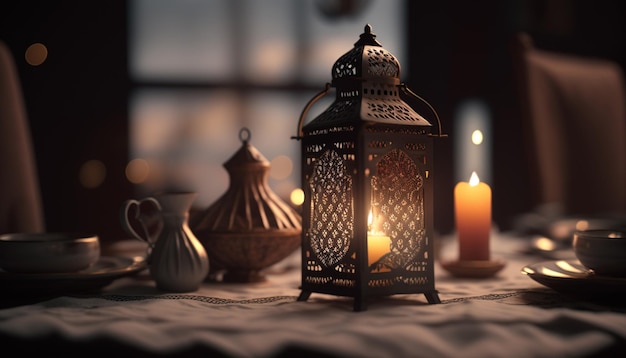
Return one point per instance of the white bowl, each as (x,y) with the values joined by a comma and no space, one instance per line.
(48,252)
(603,251)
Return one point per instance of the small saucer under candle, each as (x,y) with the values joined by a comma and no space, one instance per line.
(473,268)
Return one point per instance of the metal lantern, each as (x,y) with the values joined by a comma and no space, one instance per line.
(367,177)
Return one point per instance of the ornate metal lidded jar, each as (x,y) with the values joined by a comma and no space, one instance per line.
(249,228)
(367,177)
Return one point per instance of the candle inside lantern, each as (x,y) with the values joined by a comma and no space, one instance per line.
(472,204)
(377,246)
(377,243)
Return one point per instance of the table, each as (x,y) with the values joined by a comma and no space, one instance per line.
(508,315)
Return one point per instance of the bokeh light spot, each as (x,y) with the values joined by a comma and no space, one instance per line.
(281,167)
(297,196)
(92,174)
(36,54)
(477,137)
(137,171)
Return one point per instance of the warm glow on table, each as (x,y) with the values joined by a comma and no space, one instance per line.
(472,209)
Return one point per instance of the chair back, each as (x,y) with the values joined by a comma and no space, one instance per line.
(574,116)
(21,207)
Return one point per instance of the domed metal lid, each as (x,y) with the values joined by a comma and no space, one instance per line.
(368,59)
(247,157)
(249,204)
(368,89)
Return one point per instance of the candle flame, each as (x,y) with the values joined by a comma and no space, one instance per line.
(474,181)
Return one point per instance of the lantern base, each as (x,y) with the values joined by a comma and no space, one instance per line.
(360,303)
(473,268)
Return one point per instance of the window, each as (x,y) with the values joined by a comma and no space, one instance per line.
(202,70)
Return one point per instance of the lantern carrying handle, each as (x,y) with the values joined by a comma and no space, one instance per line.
(432,109)
(307,107)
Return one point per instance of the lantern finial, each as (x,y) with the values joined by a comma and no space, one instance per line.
(367,38)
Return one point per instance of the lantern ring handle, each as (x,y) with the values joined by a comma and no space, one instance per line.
(307,107)
(432,109)
(244,135)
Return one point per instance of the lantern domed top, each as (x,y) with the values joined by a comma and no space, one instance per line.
(368,91)
(368,59)
(249,204)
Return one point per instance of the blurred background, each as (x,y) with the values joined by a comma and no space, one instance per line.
(126,97)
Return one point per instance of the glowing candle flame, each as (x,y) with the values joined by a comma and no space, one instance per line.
(474,181)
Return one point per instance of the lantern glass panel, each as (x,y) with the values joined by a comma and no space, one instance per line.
(398,210)
(331,209)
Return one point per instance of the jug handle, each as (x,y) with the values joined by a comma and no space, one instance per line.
(126,222)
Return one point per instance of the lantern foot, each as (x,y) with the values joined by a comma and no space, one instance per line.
(432,297)
(304,295)
(359,305)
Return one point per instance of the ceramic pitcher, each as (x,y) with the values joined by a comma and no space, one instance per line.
(177,260)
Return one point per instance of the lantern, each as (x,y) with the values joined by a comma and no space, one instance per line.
(249,227)
(367,176)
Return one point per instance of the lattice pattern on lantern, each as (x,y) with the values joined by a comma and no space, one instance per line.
(331,189)
(339,110)
(378,63)
(398,202)
(394,109)
(382,63)
(347,65)
(416,131)
(375,108)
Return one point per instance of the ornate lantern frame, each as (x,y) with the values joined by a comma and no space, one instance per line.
(367,177)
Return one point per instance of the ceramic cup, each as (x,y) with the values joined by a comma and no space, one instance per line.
(48,252)
(603,251)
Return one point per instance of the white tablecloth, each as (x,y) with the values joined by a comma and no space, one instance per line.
(508,315)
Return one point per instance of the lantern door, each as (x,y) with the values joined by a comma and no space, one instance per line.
(399,214)
(329,246)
